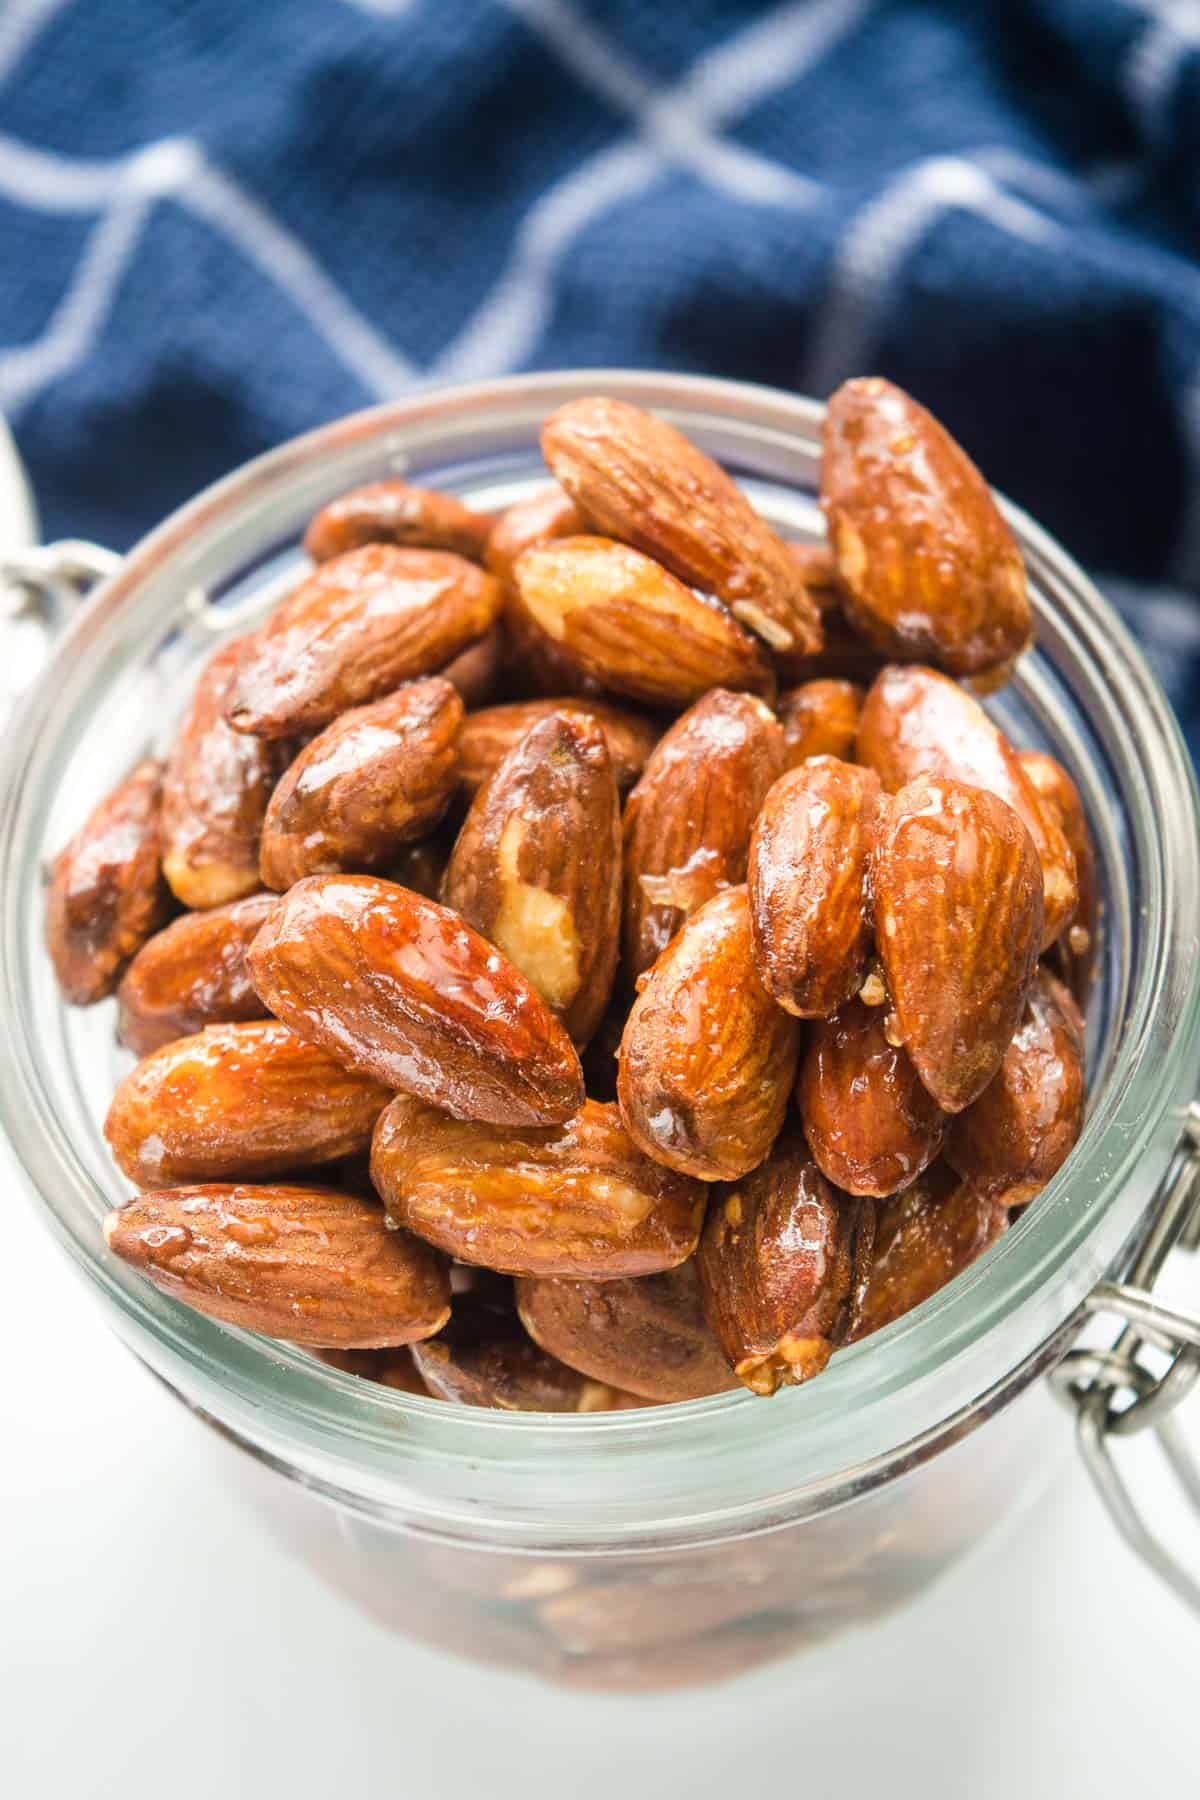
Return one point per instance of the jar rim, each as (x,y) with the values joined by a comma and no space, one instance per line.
(905,1390)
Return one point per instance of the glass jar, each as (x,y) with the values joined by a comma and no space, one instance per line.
(682,1542)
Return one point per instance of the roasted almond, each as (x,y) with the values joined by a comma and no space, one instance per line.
(917,722)
(393,512)
(216,788)
(1025,1124)
(807,879)
(489,735)
(924,1238)
(308,1264)
(238,1102)
(393,1368)
(820,718)
(537,866)
(632,626)
(782,1266)
(106,893)
(478,671)
(688,820)
(638,479)
(707,1060)
(579,1200)
(378,777)
(192,974)
(402,989)
(929,567)
(1074,952)
(484,1357)
(870,1124)
(356,629)
(420,866)
(547,514)
(958,915)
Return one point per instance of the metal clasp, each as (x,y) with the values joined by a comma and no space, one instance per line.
(1116,1393)
(39,590)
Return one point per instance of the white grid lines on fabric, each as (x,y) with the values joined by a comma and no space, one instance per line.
(1154,64)
(20,23)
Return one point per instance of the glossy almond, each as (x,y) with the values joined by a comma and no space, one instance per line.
(924,1238)
(917,722)
(688,821)
(393,512)
(420,866)
(1076,948)
(376,778)
(308,1264)
(547,514)
(647,1337)
(807,880)
(484,1356)
(489,735)
(356,629)
(402,989)
(216,789)
(579,1200)
(106,893)
(958,915)
(192,974)
(929,567)
(238,1102)
(1025,1124)
(537,866)
(638,479)
(870,1124)
(478,671)
(782,1266)
(820,718)
(629,623)
(707,1060)
(392,1368)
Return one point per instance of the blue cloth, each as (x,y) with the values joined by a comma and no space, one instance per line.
(224,221)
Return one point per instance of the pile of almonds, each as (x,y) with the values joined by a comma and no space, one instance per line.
(730,1022)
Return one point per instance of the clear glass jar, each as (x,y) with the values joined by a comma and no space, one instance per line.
(683,1542)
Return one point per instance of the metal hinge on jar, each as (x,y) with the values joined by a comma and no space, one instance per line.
(39,589)
(1115,1393)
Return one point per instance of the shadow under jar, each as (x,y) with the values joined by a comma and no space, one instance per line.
(684,1543)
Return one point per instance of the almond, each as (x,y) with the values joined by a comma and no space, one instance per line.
(193,974)
(807,874)
(958,915)
(393,1368)
(1025,1124)
(403,990)
(356,629)
(707,1060)
(782,1266)
(489,735)
(579,1200)
(820,718)
(632,626)
(537,866)
(929,567)
(236,1102)
(1075,950)
(924,1238)
(917,722)
(638,479)
(392,512)
(376,778)
(870,1124)
(421,866)
(478,671)
(485,1357)
(689,819)
(547,514)
(106,893)
(215,793)
(308,1264)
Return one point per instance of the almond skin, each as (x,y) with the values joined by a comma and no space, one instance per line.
(106,894)
(537,866)
(924,1238)
(917,722)
(1025,1124)
(356,629)
(580,1200)
(647,1337)
(378,777)
(632,626)
(707,1060)
(478,671)
(236,1102)
(1074,951)
(871,1126)
(489,735)
(807,875)
(782,1266)
(392,512)
(958,916)
(545,515)
(402,989)
(485,1357)
(688,820)
(820,718)
(307,1264)
(929,567)
(216,789)
(192,974)
(638,479)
